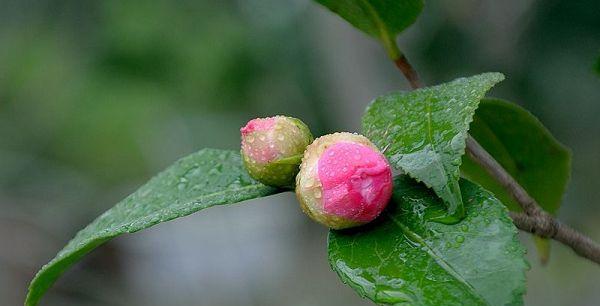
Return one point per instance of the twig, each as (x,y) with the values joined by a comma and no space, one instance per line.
(487,161)
(535,220)
(409,72)
(548,227)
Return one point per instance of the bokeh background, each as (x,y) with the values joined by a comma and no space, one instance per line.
(97,96)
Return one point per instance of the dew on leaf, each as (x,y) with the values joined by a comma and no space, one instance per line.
(432,257)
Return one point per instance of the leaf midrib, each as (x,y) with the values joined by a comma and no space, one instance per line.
(437,161)
(437,258)
(383,33)
(430,136)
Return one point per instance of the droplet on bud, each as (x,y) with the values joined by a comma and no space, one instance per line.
(339,190)
(270,147)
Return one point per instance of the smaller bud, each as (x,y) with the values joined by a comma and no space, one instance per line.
(272,149)
(344,181)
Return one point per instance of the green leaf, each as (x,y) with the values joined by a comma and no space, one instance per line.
(527,150)
(403,259)
(423,132)
(381,19)
(200,180)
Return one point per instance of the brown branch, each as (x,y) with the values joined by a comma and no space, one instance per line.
(535,220)
(409,72)
(547,226)
(487,161)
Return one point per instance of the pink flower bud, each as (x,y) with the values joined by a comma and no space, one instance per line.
(344,181)
(272,149)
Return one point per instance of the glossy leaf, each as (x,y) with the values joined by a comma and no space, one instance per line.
(203,179)
(404,259)
(423,132)
(527,150)
(381,19)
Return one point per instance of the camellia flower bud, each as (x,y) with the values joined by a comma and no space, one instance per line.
(344,181)
(272,149)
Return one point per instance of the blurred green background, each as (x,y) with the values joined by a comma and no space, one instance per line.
(97,96)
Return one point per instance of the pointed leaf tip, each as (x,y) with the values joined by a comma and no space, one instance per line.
(207,178)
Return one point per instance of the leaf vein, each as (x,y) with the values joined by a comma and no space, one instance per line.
(437,257)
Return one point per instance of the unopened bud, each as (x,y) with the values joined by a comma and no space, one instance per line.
(344,181)
(272,149)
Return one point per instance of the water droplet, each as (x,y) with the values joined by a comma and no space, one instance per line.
(464,227)
(460,238)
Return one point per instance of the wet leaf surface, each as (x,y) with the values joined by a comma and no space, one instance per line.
(423,132)
(404,259)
